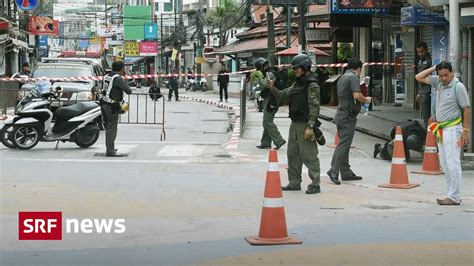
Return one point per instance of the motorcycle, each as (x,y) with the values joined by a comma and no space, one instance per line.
(32,122)
(192,85)
(203,84)
(258,99)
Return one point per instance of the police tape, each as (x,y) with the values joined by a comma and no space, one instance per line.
(149,76)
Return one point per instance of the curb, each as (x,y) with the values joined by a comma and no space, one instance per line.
(234,140)
(360,129)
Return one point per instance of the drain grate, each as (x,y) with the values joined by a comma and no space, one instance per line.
(102,154)
(223,156)
(379,207)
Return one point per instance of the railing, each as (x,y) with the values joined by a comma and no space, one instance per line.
(144,109)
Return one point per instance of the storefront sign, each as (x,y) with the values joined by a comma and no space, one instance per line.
(132,48)
(413,15)
(359,7)
(148,48)
(43,41)
(43,26)
(27,5)
(440,44)
(151,32)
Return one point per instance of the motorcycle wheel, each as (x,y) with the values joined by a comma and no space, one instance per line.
(260,106)
(87,140)
(204,87)
(6,135)
(26,137)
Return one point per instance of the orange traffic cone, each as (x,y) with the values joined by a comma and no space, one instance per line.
(272,222)
(336,141)
(430,157)
(399,173)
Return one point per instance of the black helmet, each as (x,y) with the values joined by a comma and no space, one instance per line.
(302,61)
(414,142)
(260,62)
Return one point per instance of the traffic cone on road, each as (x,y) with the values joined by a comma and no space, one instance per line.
(430,158)
(336,141)
(399,173)
(273,229)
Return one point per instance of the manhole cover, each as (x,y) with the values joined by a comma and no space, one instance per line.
(379,207)
(100,154)
(223,156)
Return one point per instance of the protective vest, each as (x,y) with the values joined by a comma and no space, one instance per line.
(298,103)
(107,88)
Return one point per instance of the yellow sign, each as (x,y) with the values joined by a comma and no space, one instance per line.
(118,52)
(95,40)
(174,54)
(200,60)
(132,48)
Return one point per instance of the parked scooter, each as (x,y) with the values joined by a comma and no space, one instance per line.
(258,99)
(203,84)
(192,85)
(32,122)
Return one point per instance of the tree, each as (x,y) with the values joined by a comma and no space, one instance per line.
(344,51)
(224,18)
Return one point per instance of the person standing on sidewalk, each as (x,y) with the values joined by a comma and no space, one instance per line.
(303,98)
(350,99)
(173,86)
(112,96)
(223,81)
(452,118)
(424,90)
(270,108)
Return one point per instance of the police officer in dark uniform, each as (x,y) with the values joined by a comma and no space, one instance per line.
(110,102)
(303,98)
(350,99)
(424,90)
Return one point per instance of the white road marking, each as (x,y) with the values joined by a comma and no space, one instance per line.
(181,150)
(115,160)
(164,142)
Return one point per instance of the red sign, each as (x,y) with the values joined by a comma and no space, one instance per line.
(39,226)
(43,26)
(148,48)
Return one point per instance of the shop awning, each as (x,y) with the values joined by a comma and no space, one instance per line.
(251,45)
(294,51)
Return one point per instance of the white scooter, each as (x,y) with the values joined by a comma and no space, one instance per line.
(32,122)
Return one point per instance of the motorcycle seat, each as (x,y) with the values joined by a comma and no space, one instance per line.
(75,109)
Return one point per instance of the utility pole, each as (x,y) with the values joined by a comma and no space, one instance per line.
(454,35)
(301,26)
(106,13)
(270,35)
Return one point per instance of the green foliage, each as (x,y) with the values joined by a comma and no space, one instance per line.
(224,18)
(344,51)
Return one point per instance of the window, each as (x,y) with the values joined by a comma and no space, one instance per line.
(168,7)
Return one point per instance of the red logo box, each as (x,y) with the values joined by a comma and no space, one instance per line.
(40,226)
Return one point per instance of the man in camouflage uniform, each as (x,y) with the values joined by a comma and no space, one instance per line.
(303,97)
(270,106)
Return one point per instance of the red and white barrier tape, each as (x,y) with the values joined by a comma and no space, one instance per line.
(180,75)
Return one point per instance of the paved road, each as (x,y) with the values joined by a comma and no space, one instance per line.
(188,200)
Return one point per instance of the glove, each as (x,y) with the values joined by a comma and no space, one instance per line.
(320,139)
(309,134)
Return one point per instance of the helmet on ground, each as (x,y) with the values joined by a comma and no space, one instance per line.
(302,61)
(260,62)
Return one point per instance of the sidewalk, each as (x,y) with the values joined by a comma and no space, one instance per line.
(379,121)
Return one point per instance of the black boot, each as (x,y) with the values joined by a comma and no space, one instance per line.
(334,177)
(313,190)
(291,188)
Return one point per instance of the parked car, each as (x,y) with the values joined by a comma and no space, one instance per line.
(83,90)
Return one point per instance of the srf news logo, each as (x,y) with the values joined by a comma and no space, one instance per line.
(49,226)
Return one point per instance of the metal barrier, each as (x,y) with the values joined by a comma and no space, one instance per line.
(144,110)
(243,104)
